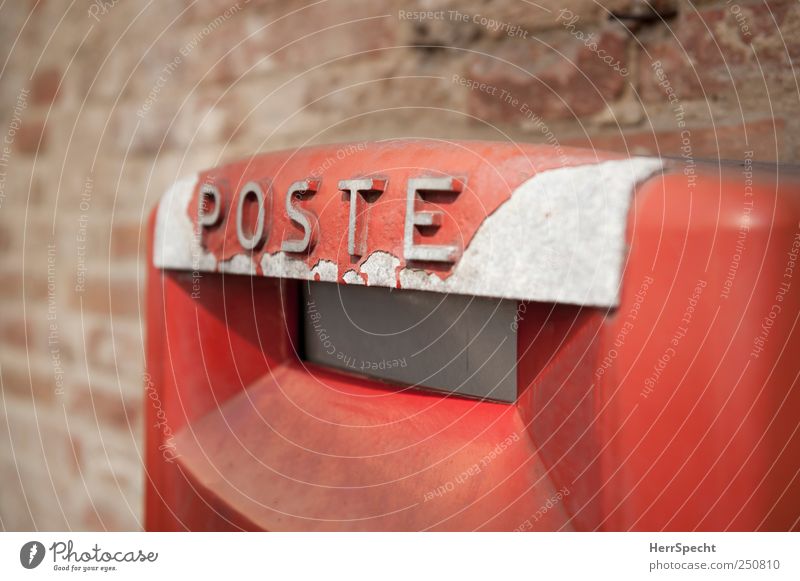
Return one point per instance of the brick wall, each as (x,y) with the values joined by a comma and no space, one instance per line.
(106,103)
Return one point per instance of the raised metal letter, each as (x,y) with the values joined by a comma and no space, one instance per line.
(433,219)
(250,242)
(357,237)
(299,216)
(209,219)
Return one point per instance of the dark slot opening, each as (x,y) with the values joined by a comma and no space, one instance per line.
(454,343)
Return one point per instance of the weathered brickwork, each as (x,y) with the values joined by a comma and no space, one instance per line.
(104,105)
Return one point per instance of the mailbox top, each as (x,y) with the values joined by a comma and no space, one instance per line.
(505,220)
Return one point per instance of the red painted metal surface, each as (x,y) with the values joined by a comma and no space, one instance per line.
(676,410)
(493,171)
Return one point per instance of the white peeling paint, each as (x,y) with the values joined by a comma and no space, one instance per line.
(176,244)
(560,237)
(206,262)
(281,265)
(352,277)
(381,269)
(327,270)
(239,264)
(421,280)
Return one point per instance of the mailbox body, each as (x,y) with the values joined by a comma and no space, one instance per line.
(659,395)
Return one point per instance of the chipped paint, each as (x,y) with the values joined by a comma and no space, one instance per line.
(176,244)
(414,278)
(205,262)
(282,265)
(381,269)
(326,270)
(352,277)
(239,264)
(559,237)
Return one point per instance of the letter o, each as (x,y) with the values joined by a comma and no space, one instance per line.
(251,242)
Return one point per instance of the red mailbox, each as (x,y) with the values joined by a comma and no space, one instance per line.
(429,335)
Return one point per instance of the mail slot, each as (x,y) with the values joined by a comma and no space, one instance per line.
(430,335)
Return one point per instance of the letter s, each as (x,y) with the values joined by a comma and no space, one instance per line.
(307,220)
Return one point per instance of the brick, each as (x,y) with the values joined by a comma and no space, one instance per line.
(109,511)
(716,50)
(128,240)
(103,406)
(40,384)
(723,141)
(166,123)
(118,296)
(12,501)
(48,334)
(216,48)
(571,84)
(395,82)
(32,236)
(199,122)
(44,87)
(211,9)
(44,462)
(352,28)
(125,51)
(11,291)
(142,132)
(530,17)
(114,350)
(13,330)
(31,137)
(19,186)
(114,484)
(5,240)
